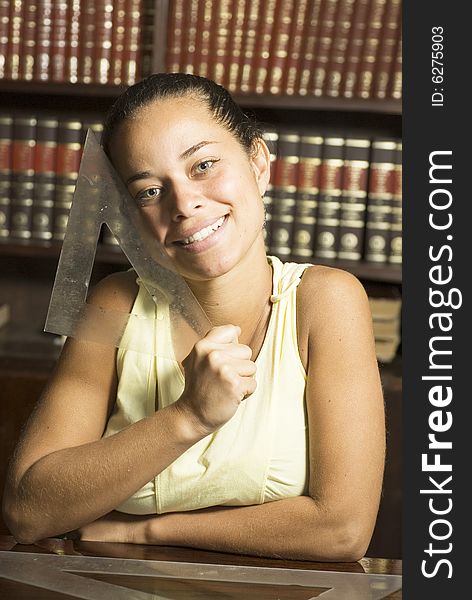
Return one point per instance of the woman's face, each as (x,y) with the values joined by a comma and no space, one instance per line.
(194,183)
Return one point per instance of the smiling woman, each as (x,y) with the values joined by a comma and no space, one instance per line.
(268,438)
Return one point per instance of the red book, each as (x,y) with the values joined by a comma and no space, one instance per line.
(323,46)
(219,41)
(43,40)
(57,61)
(295,45)
(370,49)
(395,254)
(72,43)
(15,27)
(279,47)
(189,37)
(236,46)
(28,41)
(249,46)
(395,87)
(262,49)
(337,57)
(6,135)
(354,48)
(4,29)
(132,46)
(310,38)
(87,33)
(202,43)
(44,179)
(175,36)
(388,44)
(103,42)
(118,40)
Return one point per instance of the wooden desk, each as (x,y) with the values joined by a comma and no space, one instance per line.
(181,589)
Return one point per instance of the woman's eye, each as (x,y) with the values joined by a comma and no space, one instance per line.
(149,195)
(204,166)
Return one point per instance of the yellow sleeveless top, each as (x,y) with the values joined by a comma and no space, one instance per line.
(261,453)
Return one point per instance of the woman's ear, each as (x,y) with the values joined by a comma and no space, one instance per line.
(260,162)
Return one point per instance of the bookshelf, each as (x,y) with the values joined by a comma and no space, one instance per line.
(27,268)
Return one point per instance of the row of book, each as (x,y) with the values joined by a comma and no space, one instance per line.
(385,305)
(333,197)
(79,41)
(334,48)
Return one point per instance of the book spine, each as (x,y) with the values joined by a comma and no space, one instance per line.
(202,49)
(236,46)
(388,43)
(22,177)
(395,255)
(14,39)
(329,203)
(354,199)
(379,201)
(147,38)
(323,48)
(249,46)
(118,40)
(219,51)
(69,152)
(44,179)
(395,88)
(72,45)
(189,39)
(43,40)
(285,193)
(308,188)
(28,42)
(294,52)
(6,137)
(354,48)
(262,50)
(103,40)
(370,50)
(87,41)
(57,59)
(175,36)
(279,47)
(310,36)
(270,137)
(4,32)
(337,57)
(132,49)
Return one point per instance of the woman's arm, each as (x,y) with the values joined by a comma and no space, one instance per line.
(347,442)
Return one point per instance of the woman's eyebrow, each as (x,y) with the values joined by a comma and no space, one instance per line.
(194,149)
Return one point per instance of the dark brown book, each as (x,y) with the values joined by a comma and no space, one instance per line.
(6,143)
(295,45)
(147,38)
(236,45)
(395,87)
(44,179)
(175,36)
(43,40)
(189,37)
(22,177)
(249,44)
(308,189)
(262,49)
(202,44)
(370,49)
(15,27)
(87,32)
(4,29)
(323,46)
(329,202)
(389,36)
(354,48)
(379,201)
(69,152)
(279,47)
(57,61)
(271,137)
(117,41)
(337,56)
(72,41)
(28,41)
(310,39)
(395,255)
(103,42)
(219,41)
(353,199)
(285,193)
(132,46)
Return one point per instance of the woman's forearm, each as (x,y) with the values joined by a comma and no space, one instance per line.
(70,487)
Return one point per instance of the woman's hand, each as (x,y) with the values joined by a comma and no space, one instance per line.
(115,527)
(219,374)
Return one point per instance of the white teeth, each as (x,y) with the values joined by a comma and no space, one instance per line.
(203,233)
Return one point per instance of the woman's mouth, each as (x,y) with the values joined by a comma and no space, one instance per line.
(204,233)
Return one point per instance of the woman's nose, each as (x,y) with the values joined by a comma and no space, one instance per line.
(185,200)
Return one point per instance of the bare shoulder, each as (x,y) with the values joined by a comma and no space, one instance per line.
(116,291)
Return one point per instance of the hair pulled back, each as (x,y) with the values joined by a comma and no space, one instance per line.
(179,85)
